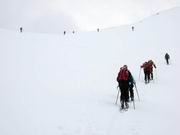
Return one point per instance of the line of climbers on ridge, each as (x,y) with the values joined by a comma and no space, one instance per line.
(64,32)
(126,81)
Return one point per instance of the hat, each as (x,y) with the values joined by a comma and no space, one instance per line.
(125,66)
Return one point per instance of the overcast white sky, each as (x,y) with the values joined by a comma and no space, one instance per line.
(56,15)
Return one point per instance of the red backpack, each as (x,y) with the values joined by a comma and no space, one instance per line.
(123,74)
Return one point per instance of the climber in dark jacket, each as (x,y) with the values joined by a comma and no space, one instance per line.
(131,85)
(167,57)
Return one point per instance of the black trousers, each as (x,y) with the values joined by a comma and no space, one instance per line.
(123,85)
(131,91)
(146,76)
(167,61)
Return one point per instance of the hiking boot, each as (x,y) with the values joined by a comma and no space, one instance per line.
(122,105)
(127,105)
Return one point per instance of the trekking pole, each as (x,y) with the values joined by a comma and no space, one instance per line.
(137,91)
(117,95)
(139,73)
(134,104)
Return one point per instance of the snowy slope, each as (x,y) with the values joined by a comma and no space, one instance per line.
(66,85)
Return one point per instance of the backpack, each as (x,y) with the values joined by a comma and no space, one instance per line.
(146,66)
(123,75)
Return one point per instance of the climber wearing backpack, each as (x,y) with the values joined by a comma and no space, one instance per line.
(151,65)
(123,82)
(146,69)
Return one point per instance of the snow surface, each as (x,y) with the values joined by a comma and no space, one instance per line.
(66,85)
